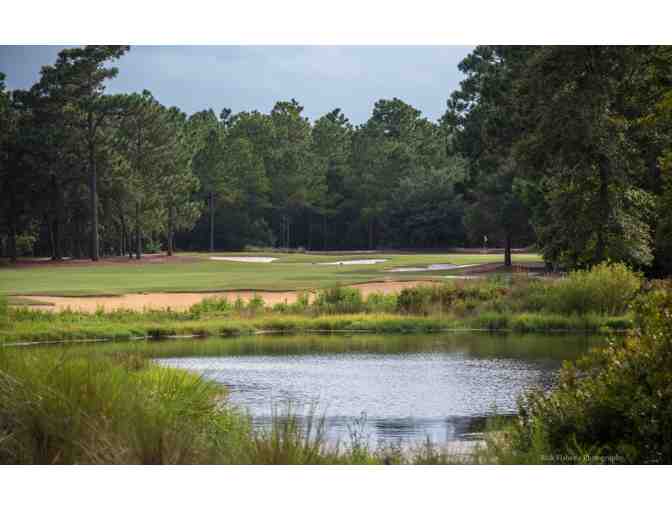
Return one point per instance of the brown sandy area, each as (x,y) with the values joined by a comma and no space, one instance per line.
(183,300)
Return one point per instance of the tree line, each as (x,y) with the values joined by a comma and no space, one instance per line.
(567,148)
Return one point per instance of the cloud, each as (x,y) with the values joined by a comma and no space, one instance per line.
(255,77)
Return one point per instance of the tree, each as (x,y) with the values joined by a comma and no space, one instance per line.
(296,175)
(155,168)
(482,122)
(206,136)
(332,143)
(77,81)
(579,108)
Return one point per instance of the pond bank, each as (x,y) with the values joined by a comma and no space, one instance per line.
(57,327)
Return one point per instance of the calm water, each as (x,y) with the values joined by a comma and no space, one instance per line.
(388,388)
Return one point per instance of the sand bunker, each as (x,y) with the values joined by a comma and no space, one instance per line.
(184,300)
(245,259)
(431,267)
(352,262)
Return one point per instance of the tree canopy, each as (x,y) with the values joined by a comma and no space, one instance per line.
(562,148)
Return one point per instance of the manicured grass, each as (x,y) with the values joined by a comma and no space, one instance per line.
(290,272)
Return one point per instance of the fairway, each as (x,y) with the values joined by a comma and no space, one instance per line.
(197,273)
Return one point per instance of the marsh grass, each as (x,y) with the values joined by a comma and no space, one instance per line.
(69,406)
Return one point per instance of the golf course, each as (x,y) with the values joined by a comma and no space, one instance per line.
(199,273)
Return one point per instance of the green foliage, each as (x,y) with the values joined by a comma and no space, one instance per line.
(435,298)
(70,406)
(613,406)
(210,305)
(339,299)
(605,289)
(63,408)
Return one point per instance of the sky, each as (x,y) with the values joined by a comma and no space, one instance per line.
(321,78)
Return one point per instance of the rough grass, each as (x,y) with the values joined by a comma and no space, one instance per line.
(62,406)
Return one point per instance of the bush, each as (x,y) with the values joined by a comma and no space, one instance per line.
(339,300)
(210,306)
(614,405)
(424,300)
(379,302)
(606,289)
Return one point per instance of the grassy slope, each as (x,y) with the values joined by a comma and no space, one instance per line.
(294,271)
(80,327)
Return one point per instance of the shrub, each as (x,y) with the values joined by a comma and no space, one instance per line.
(339,300)
(210,305)
(381,303)
(613,405)
(606,289)
(465,297)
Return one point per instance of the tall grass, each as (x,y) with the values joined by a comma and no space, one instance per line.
(67,406)
(60,408)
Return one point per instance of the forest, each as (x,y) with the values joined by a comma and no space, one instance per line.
(567,149)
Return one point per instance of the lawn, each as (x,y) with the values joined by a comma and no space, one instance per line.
(198,273)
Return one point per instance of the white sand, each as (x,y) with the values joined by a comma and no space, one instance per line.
(431,267)
(246,259)
(352,262)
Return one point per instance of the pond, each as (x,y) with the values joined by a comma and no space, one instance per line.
(390,389)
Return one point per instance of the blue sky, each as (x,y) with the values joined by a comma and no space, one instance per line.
(255,77)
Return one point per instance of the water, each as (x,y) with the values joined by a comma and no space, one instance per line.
(386,388)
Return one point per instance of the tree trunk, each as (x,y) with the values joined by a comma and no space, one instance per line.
(50,232)
(77,241)
(212,221)
(289,237)
(507,251)
(600,248)
(95,250)
(12,237)
(125,237)
(371,235)
(138,237)
(58,215)
(171,230)
(324,232)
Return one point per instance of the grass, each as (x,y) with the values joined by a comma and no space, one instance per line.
(290,272)
(49,327)
(63,406)
(517,304)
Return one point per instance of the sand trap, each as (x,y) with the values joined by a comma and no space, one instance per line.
(352,262)
(431,267)
(184,300)
(245,259)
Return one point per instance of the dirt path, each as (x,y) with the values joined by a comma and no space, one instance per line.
(184,300)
